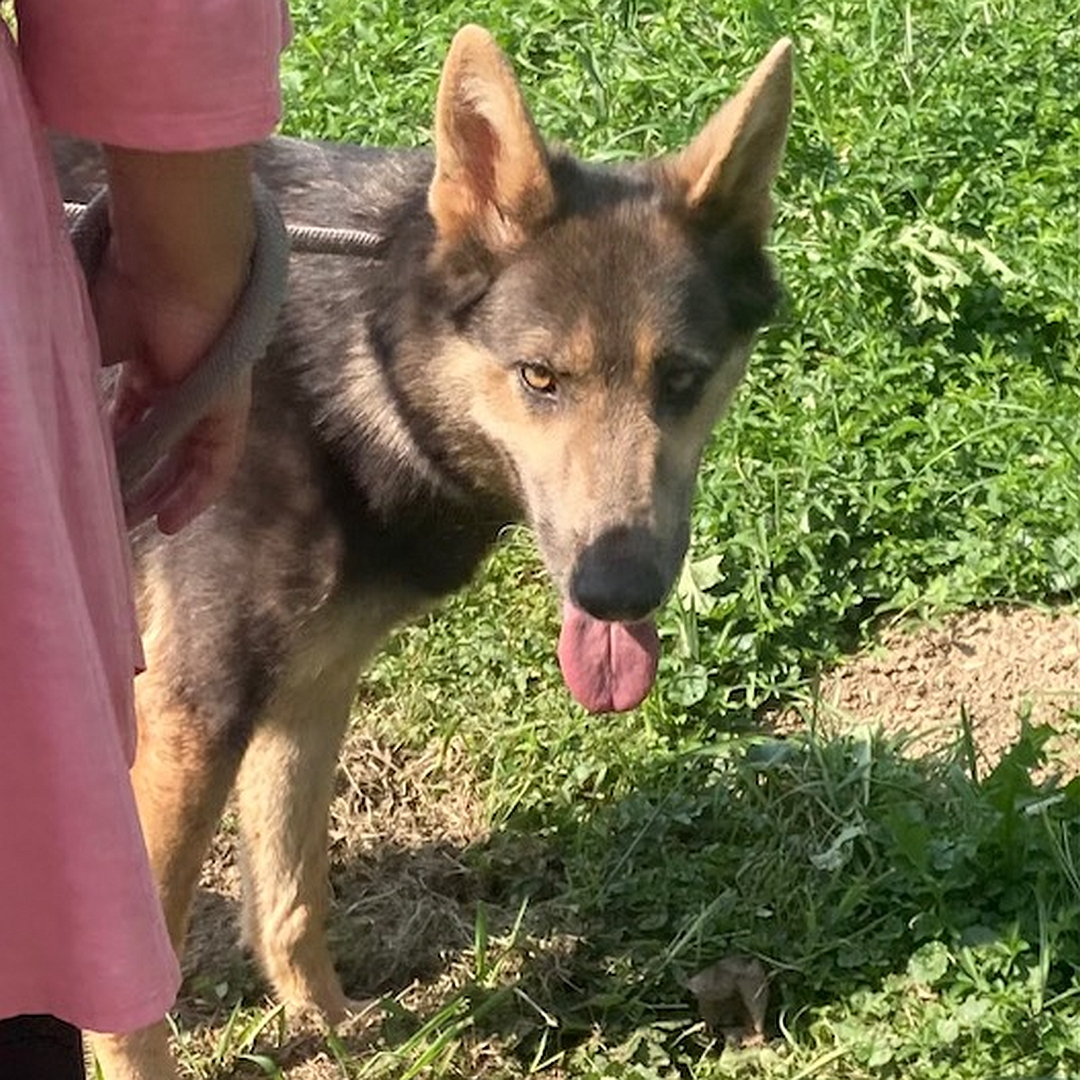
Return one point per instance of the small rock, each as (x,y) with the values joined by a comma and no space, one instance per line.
(732,997)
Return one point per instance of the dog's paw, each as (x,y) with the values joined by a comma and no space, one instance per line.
(356,1010)
(332,1013)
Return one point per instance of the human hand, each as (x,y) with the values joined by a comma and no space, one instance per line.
(149,335)
(182,234)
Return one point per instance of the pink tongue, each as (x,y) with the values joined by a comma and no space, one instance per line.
(608,666)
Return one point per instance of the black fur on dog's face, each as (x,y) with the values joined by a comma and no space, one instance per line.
(605,352)
(563,337)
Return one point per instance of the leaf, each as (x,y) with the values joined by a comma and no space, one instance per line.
(929,963)
(838,852)
(689,686)
(695,580)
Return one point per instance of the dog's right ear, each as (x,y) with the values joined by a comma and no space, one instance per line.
(492,184)
(726,172)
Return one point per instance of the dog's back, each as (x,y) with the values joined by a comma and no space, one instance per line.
(338,513)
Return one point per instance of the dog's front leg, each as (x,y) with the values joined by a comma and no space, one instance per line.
(285,786)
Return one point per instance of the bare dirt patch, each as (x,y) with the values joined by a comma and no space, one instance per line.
(995,665)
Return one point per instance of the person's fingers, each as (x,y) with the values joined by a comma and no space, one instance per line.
(193,476)
(209,455)
(127,406)
(154,490)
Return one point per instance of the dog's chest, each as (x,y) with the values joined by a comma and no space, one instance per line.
(349,630)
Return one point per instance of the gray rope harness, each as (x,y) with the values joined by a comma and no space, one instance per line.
(245,338)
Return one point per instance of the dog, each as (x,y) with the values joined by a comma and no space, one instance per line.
(542,340)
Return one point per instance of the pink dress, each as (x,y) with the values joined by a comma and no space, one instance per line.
(81,934)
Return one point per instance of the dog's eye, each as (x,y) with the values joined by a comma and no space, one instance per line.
(538,378)
(680,384)
(680,387)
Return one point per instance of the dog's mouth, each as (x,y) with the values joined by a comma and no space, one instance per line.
(608,666)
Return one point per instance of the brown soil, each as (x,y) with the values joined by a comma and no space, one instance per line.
(993,666)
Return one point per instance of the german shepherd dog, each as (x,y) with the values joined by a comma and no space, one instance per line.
(543,340)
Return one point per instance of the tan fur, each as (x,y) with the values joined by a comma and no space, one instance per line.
(284,790)
(181,785)
(139,1055)
(379,410)
(733,160)
(491,176)
(599,465)
(180,788)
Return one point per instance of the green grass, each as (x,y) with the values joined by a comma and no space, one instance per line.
(906,444)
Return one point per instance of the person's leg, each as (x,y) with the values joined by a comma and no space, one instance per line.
(40,1048)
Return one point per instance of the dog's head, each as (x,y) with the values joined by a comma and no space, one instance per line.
(602,319)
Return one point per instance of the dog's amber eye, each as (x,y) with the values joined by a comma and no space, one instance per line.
(538,379)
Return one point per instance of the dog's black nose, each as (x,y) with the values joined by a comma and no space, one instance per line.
(618,576)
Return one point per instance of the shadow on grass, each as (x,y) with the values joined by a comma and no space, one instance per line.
(850,870)
(835,862)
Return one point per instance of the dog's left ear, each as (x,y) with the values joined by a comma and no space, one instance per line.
(726,172)
(492,184)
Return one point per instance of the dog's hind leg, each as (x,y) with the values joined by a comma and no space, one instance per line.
(285,788)
(139,1055)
